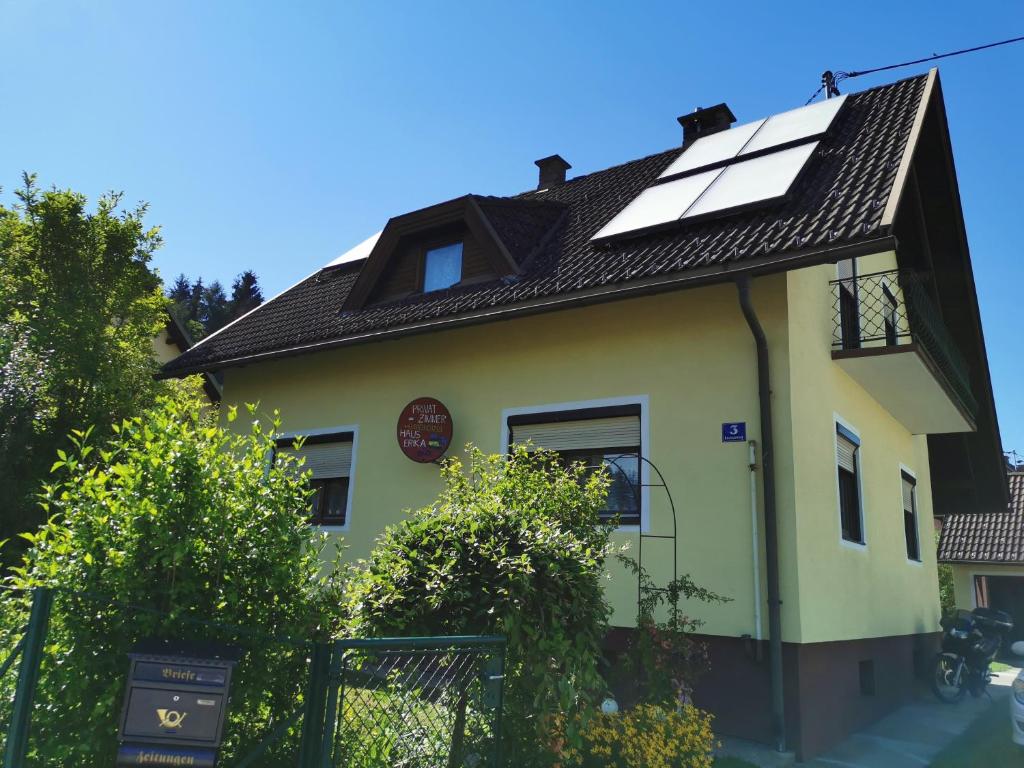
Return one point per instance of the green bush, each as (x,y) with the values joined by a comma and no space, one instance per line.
(947,594)
(513,546)
(663,660)
(172,524)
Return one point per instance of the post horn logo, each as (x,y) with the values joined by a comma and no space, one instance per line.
(170,718)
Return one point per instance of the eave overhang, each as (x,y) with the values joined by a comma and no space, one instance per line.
(693,278)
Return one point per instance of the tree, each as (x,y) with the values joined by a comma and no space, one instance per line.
(78,288)
(25,410)
(180,291)
(204,309)
(245,295)
(213,308)
(513,546)
(176,530)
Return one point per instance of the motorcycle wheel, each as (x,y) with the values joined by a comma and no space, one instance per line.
(945,683)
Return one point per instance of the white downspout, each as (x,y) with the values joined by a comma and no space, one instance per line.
(755,538)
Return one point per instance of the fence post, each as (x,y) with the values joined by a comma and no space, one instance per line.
(313,724)
(28,677)
(334,682)
(499,724)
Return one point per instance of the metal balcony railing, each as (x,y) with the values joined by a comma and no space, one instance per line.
(886,309)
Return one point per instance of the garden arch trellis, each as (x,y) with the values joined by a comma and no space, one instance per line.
(637,490)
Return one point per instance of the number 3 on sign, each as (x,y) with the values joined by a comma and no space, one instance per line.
(734,432)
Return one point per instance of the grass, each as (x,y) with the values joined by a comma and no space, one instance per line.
(732,762)
(998,666)
(986,742)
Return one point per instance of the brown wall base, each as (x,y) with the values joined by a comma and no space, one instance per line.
(831,689)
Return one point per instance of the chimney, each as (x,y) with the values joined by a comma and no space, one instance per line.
(704,122)
(552,171)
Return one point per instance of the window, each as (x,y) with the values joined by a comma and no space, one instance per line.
(910,515)
(442,267)
(981,592)
(623,466)
(603,440)
(848,467)
(329,459)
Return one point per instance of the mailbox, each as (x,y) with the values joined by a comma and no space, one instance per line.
(174,706)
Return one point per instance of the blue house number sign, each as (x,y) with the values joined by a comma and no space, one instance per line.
(734,432)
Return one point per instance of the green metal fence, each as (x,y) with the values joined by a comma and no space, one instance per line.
(365,703)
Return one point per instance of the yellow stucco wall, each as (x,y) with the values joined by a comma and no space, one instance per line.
(847,590)
(963,580)
(690,356)
(164,350)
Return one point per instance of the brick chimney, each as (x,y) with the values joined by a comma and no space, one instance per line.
(704,122)
(552,171)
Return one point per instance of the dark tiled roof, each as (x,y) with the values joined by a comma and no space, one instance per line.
(987,538)
(839,201)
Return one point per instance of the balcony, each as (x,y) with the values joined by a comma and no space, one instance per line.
(888,335)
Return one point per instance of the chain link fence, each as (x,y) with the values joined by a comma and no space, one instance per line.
(382,703)
(420,703)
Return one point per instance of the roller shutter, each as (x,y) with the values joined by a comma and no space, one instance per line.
(613,432)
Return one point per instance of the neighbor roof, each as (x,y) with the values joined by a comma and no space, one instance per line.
(836,209)
(995,537)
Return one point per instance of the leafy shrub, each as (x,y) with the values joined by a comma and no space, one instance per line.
(513,546)
(646,736)
(663,660)
(947,593)
(174,523)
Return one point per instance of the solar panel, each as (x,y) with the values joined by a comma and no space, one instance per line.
(723,145)
(758,180)
(738,180)
(802,123)
(660,204)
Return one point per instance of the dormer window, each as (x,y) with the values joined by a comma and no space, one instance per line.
(452,244)
(442,267)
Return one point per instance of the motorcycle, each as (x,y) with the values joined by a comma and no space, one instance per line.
(970,642)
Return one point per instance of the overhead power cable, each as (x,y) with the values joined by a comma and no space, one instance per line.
(830,80)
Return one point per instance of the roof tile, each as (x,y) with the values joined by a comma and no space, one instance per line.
(992,538)
(839,201)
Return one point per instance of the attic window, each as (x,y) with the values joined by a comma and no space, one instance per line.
(442,267)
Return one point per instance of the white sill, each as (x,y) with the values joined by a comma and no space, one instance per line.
(332,528)
(627,529)
(858,546)
(915,562)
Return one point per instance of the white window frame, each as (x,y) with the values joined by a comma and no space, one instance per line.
(905,470)
(838,420)
(353,429)
(576,405)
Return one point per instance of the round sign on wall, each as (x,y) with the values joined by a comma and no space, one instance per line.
(424,430)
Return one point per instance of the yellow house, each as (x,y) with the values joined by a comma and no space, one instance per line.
(171,341)
(986,554)
(770,333)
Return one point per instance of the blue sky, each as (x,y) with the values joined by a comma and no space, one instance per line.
(274,136)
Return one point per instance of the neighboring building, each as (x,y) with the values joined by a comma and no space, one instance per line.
(986,552)
(604,316)
(174,339)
